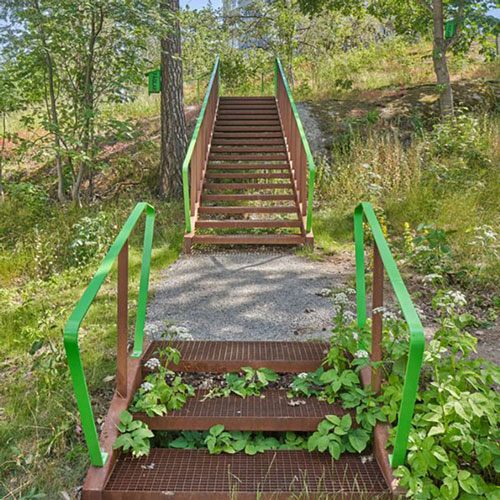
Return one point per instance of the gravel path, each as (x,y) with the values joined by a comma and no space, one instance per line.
(250,296)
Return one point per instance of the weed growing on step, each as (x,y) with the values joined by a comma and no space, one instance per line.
(251,384)
(162,390)
(135,435)
(336,435)
(217,440)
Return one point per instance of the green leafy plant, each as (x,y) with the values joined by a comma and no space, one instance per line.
(336,383)
(251,384)
(307,384)
(135,435)
(337,435)
(188,440)
(453,444)
(220,441)
(162,390)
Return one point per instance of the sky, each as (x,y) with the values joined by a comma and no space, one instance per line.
(198,4)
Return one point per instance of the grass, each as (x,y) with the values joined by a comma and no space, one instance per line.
(448,177)
(41,443)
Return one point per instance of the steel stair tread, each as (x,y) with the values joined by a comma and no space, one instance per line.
(246,175)
(270,412)
(247,197)
(222,356)
(246,166)
(221,186)
(247,210)
(197,474)
(247,224)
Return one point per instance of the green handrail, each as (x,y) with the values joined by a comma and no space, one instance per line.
(305,144)
(417,340)
(97,456)
(189,154)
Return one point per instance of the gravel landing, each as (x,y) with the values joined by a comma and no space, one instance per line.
(250,296)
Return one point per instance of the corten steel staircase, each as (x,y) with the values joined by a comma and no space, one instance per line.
(248,174)
(194,474)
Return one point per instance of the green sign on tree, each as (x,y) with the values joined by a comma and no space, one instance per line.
(449,28)
(154,77)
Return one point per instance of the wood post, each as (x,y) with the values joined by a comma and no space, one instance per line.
(377,317)
(122,322)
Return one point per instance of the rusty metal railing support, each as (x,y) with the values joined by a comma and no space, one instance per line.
(122,322)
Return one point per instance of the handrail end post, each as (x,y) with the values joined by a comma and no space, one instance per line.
(360,266)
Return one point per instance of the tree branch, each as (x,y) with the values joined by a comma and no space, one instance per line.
(426,5)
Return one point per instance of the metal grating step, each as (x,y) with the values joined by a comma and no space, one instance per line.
(217,210)
(194,474)
(224,186)
(247,224)
(231,356)
(274,412)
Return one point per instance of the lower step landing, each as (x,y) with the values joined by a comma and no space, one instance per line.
(277,475)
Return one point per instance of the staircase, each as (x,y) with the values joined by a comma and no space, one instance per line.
(249,164)
(282,474)
(248,184)
(254,148)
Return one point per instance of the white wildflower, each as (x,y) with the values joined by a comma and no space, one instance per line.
(350,291)
(390,316)
(341,299)
(325,292)
(458,298)
(185,336)
(379,310)
(152,363)
(362,354)
(147,386)
(431,278)
(348,317)
(302,375)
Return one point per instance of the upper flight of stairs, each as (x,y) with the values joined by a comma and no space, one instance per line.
(280,474)
(248,194)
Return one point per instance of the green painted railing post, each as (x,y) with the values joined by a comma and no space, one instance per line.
(71,329)
(417,339)
(305,143)
(359,246)
(262,84)
(192,143)
(276,77)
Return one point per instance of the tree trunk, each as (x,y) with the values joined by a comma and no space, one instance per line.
(52,109)
(2,152)
(439,60)
(96,24)
(173,120)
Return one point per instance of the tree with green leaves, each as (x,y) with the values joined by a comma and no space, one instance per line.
(71,58)
(452,24)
